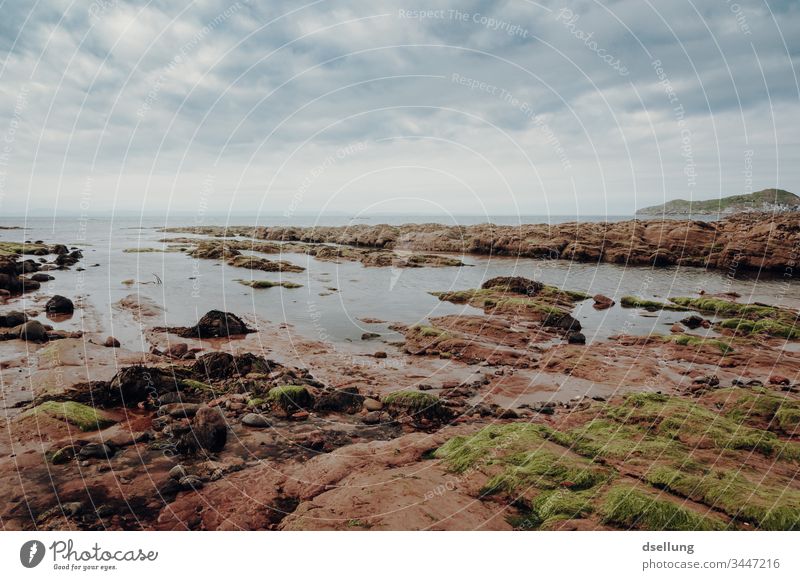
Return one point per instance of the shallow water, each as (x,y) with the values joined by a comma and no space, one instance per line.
(192,287)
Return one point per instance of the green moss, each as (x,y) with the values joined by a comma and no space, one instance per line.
(765,326)
(630,507)
(727,308)
(768,507)
(551,507)
(197,386)
(82,416)
(570,295)
(788,418)
(268,284)
(699,342)
(17,248)
(430,331)
(415,404)
(463,453)
(291,398)
(142,250)
(650,305)
(256,402)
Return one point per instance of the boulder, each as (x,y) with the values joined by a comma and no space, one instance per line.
(111,342)
(215,324)
(346,400)
(255,420)
(42,277)
(576,338)
(693,321)
(514,284)
(59,305)
(208,431)
(32,331)
(13,318)
(602,302)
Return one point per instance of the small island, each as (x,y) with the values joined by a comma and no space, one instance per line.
(766,200)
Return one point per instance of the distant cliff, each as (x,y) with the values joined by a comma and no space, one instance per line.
(769,200)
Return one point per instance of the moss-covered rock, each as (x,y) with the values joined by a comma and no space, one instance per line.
(82,416)
(291,398)
(633,508)
(415,404)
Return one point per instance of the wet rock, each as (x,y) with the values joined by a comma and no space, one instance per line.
(370,335)
(692,322)
(111,342)
(576,338)
(95,451)
(255,420)
(12,319)
(372,418)
(64,454)
(137,383)
(507,414)
(778,380)
(178,350)
(301,415)
(208,431)
(191,482)
(380,354)
(602,302)
(215,324)
(59,305)
(562,322)
(178,472)
(60,249)
(41,277)
(179,410)
(216,365)
(33,331)
(515,284)
(346,400)
(372,404)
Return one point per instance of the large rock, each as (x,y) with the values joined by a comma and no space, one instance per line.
(208,431)
(137,383)
(12,319)
(32,331)
(602,302)
(515,284)
(215,324)
(345,400)
(59,305)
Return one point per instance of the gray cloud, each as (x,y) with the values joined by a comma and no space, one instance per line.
(512,106)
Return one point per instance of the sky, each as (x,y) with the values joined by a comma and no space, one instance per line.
(365,107)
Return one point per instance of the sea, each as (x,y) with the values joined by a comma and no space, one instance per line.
(334,298)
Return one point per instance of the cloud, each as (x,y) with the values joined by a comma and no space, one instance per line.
(483,106)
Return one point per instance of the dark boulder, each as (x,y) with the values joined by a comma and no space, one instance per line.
(208,431)
(576,338)
(215,365)
(59,305)
(111,342)
(215,324)
(33,331)
(346,400)
(693,321)
(563,322)
(12,319)
(42,277)
(60,249)
(138,383)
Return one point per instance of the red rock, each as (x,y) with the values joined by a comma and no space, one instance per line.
(778,380)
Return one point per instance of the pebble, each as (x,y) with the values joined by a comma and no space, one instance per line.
(255,420)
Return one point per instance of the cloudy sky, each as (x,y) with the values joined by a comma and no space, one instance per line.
(279,107)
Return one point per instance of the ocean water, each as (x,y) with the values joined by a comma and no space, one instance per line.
(334,297)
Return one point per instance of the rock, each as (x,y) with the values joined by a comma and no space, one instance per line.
(40,277)
(424,387)
(137,383)
(178,472)
(345,400)
(64,455)
(372,418)
(215,324)
(178,350)
(576,338)
(514,284)
(191,482)
(255,420)
(208,431)
(12,319)
(380,354)
(33,331)
(370,335)
(778,380)
(602,302)
(507,414)
(59,305)
(95,451)
(60,250)
(111,342)
(372,404)
(179,410)
(676,328)
(301,415)
(692,322)
(215,365)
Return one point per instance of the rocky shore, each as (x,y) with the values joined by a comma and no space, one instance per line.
(749,241)
(502,418)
